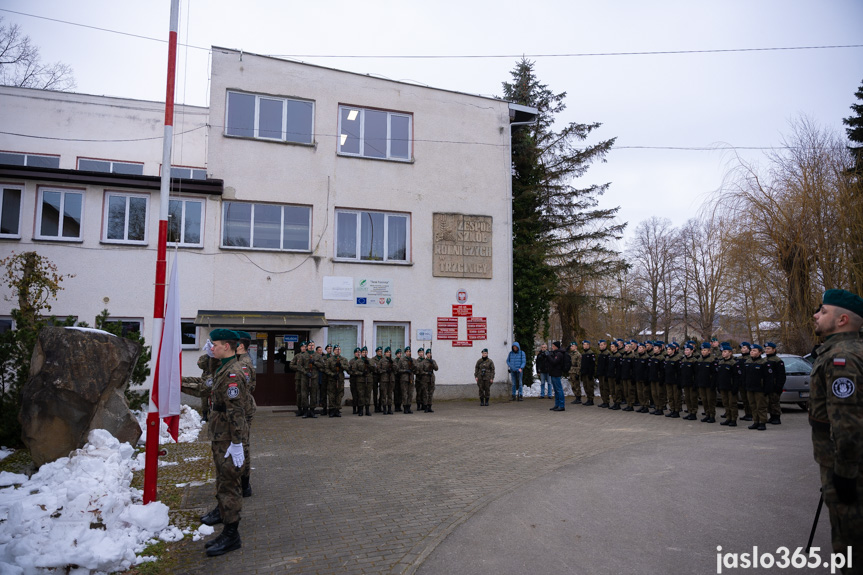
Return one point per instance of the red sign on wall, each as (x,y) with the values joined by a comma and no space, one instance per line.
(447,328)
(462,344)
(465,310)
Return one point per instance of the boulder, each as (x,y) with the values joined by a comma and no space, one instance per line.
(77,382)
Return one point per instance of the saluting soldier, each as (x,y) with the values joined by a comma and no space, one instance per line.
(574,371)
(483,373)
(602,358)
(376,382)
(336,367)
(756,375)
(227,429)
(298,365)
(386,369)
(587,372)
(774,388)
(432,367)
(686,370)
(248,368)
(672,379)
(656,375)
(705,369)
(407,369)
(836,417)
(726,384)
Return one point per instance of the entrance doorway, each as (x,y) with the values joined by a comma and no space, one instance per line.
(272,352)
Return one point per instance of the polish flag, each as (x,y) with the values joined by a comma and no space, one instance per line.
(168,364)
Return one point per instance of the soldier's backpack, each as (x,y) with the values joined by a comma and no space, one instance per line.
(567,362)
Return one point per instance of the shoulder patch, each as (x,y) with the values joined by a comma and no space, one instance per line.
(843,387)
(839,361)
(233,391)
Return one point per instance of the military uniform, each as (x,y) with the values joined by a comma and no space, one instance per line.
(251,407)
(208,366)
(397,385)
(406,369)
(298,365)
(726,384)
(574,372)
(626,366)
(335,367)
(774,387)
(432,367)
(613,382)
(704,372)
(686,371)
(354,377)
(376,379)
(740,368)
(363,370)
(587,374)
(386,370)
(602,359)
(656,375)
(671,367)
(313,387)
(483,373)
(836,417)
(642,384)
(755,377)
(421,380)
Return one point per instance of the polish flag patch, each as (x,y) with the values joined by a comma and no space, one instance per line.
(839,361)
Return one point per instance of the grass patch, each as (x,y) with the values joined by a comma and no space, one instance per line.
(18,462)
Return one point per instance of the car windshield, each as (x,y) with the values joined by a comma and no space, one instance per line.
(796,366)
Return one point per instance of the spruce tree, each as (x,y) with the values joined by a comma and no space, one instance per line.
(855,130)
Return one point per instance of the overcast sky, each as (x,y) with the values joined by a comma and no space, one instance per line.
(680,100)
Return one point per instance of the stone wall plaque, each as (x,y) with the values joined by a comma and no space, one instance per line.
(462,246)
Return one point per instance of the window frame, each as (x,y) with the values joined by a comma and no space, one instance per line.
(256,128)
(3,188)
(105,215)
(390,114)
(12,324)
(27,156)
(404,324)
(122,320)
(358,239)
(195,345)
(192,171)
(40,193)
(111,164)
(183,243)
(252,228)
(349,353)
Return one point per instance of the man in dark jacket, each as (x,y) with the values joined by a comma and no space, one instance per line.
(541,363)
(587,373)
(774,391)
(602,358)
(555,371)
(756,374)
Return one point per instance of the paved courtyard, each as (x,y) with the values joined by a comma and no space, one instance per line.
(515,488)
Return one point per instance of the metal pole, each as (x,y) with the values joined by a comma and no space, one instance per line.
(815,523)
(151,458)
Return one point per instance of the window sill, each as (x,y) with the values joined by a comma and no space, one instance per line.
(121,243)
(390,160)
(185,246)
(272,141)
(59,240)
(370,262)
(270,250)
(10,237)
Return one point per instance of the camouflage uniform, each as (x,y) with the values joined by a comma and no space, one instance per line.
(250,408)
(298,365)
(483,372)
(686,379)
(705,369)
(228,425)
(361,371)
(432,367)
(376,381)
(313,386)
(774,388)
(421,382)
(406,369)
(587,375)
(602,359)
(836,417)
(656,375)
(625,377)
(672,383)
(755,376)
(726,384)
(208,366)
(574,373)
(353,374)
(386,368)
(335,368)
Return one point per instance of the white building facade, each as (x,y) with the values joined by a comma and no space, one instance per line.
(310,203)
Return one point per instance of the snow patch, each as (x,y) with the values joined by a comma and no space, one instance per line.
(92,330)
(5,452)
(190,426)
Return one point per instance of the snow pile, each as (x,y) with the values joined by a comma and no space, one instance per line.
(5,452)
(190,426)
(79,510)
(533,390)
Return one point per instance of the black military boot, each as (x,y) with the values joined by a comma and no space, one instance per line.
(628,408)
(704,419)
(367,411)
(420,406)
(338,413)
(360,410)
(377,408)
(604,404)
(230,540)
(300,412)
(690,417)
(407,408)
(753,426)
(355,408)
(247,488)
(774,420)
(675,414)
(746,418)
(399,408)
(588,403)
(429,409)
(576,401)
(726,422)
(762,427)
(732,424)
(615,406)
(214,517)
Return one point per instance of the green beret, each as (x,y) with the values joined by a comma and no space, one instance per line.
(304,343)
(428,350)
(337,346)
(840,298)
(379,348)
(398,350)
(484,350)
(356,350)
(386,349)
(221,334)
(407,348)
(244,335)
(364,348)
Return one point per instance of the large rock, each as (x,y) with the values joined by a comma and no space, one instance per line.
(77,382)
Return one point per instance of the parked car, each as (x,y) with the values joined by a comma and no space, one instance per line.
(796,389)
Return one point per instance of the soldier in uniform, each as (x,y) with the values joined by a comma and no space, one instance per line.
(406,370)
(774,389)
(640,374)
(376,381)
(326,406)
(248,368)
(208,366)
(386,372)
(602,358)
(313,380)
(755,376)
(741,369)
(397,380)
(715,348)
(354,374)
(421,383)
(298,367)
(483,373)
(587,373)
(227,429)
(726,384)
(336,367)
(836,418)
(705,369)
(686,371)
(613,382)
(671,368)
(365,371)
(626,369)
(656,375)
(431,366)
(574,372)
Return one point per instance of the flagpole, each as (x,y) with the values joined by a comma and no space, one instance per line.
(151,458)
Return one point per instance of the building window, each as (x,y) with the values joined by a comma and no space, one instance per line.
(111,167)
(58,214)
(345,334)
(266,226)
(33,160)
(6,323)
(10,212)
(125,218)
(188,173)
(374,133)
(269,118)
(372,236)
(393,335)
(185,219)
(188,334)
(127,325)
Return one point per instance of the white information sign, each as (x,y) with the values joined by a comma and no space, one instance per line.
(340,288)
(373,292)
(424,334)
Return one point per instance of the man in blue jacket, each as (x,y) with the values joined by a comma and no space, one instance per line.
(516,361)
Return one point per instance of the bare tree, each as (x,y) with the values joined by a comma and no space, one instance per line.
(22,66)
(704,252)
(651,256)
